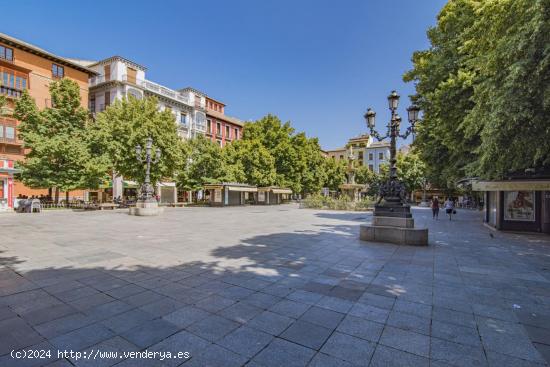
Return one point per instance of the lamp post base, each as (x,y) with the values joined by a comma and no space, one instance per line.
(146,208)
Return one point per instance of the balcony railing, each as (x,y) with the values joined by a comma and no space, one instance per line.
(199,127)
(157,89)
(97,80)
(10,92)
(3,58)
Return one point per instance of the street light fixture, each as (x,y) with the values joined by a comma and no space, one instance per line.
(393,191)
(147,191)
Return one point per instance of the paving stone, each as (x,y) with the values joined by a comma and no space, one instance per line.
(377,300)
(316,287)
(305,297)
(150,332)
(81,338)
(370,313)
(163,306)
(406,341)
(240,312)
(63,325)
(290,308)
(42,315)
(507,338)
(283,353)
(141,299)
(502,360)
(262,300)
(322,317)
(213,327)
(459,355)
(335,304)
(270,322)
(413,308)
(116,345)
(385,357)
(307,334)
(409,322)
(454,317)
(455,333)
(494,312)
(361,328)
(345,293)
(108,310)
(125,291)
(351,349)
(538,335)
(127,320)
(181,342)
(214,303)
(324,360)
(216,356)
(246,341)
(235,292)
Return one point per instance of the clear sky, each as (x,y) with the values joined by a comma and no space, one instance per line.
(317,63)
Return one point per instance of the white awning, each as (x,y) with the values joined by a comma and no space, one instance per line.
(282,191)
(168,184)
(512,185)
(242,188)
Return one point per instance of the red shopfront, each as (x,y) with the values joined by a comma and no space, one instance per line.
(6,184)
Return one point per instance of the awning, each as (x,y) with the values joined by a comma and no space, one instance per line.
(282,191)
(167,184)
(512,185)
(242,188)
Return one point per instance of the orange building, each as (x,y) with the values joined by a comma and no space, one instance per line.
(27,67)
(219,127)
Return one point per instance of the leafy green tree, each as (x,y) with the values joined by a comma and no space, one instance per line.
(129,122)
(58,138)
(249,161)
(204,164)
(411,170)
(335,171)
(483,86)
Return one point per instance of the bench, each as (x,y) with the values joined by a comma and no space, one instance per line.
(104,206)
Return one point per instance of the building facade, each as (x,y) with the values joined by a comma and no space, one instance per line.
(26,67)
(366,151)
(221,128)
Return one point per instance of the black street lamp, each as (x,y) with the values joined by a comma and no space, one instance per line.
(393,191)
(147,191)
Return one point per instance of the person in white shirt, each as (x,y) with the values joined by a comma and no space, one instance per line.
(449,207)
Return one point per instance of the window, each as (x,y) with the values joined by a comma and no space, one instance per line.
(236,135)
(380,155)
(227,132)
(183,119)
(371,156)
(341,156)
(58,71)
(92,104)
(360,156)
(209,126)
(218,128)
(371,167)
(10,132)
(6,53)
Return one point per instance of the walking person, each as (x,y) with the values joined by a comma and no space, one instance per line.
(449,207)
(435,208)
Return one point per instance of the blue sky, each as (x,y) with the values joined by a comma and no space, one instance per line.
(317,63)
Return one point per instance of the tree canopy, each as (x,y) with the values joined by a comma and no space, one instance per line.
(58,139)
(484,87)
(129,122)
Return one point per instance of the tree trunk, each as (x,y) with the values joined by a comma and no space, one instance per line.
(56,195)
(50,190)
(67,198)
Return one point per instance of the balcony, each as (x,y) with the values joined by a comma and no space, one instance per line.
(199,127)
(157,89)
(96,80)
(10,92)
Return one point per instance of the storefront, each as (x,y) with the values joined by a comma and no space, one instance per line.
(7,171)
(517,204)
(225,194)
(272,195)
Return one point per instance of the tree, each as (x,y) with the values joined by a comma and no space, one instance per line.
(483,86)
(204,164)
(335,171)
(129,122)
(249,161)
(58,139)
(411,170)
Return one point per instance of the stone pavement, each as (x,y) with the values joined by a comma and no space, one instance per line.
(270,286)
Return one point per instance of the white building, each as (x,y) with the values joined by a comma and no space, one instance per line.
(119,77)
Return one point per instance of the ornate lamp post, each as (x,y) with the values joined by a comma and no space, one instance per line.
(147,204)
(393,191)
(147,191)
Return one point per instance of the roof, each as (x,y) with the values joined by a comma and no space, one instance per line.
(360,137)
(221,116)
(336,150)
(119,58)
(379,144)
(191,89)
(215,100)
(14,42)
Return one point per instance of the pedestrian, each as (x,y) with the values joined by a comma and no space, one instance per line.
(449,207)
(435,208)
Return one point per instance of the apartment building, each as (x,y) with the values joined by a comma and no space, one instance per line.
(27,67)
(220,127)
(366,151)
